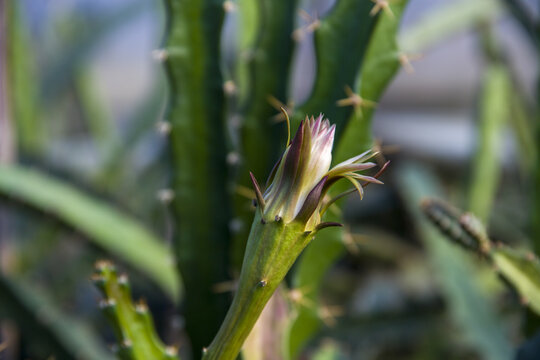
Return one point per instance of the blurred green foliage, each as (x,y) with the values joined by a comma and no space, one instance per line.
(222,120)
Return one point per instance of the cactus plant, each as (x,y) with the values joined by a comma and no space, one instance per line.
(132,323)
(518,267)
(197,143)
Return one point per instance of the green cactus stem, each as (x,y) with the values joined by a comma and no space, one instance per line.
(341,41)
(272,248)
(132,323)
(201,201)
(520,268)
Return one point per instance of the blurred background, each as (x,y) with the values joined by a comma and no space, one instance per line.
(88,99)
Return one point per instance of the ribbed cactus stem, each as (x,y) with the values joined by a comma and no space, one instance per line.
(132,323)
(199,171)
(271,250)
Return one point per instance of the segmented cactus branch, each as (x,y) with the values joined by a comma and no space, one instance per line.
(132,322)
(520,268)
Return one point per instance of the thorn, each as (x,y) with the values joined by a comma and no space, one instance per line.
(102,265)
(382,5)
(278,105)
(262,283)
(278,218)
(530,256)
(123,280)
(524,301)
(127,343)
(263,221)
(165,196)
(328,314)
(350,244)
(355,100)
(160,54)
(163,127)
(229,6)
(171,350)
(235,225)
(245,191)
(141,307)
(204,350)
(312,24)
(405,61)
(298,297)
(107,303)
(225,286)
(229,88)
(306,233)
(233,158)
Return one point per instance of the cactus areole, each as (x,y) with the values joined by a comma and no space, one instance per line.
(288,217)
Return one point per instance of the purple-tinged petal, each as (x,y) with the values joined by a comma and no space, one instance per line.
(312,202)
(368,179)
(341,169)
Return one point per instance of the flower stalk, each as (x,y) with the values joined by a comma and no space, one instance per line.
(288,218)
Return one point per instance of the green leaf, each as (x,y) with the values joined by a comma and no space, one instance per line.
(50,331)
(101,223)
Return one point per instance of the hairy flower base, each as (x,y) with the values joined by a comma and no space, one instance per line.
(271,250)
